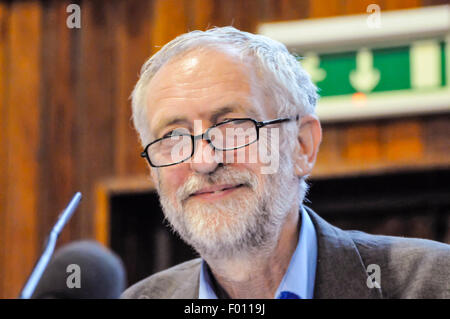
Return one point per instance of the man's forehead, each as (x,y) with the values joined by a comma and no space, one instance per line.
(199,62)
(195,74)
(200,85)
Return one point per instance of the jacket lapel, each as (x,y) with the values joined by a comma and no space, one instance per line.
(340,271)
(188,288)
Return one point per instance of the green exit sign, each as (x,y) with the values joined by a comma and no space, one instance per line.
(420,66)
(400,67)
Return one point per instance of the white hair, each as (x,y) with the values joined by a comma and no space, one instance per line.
(281,75)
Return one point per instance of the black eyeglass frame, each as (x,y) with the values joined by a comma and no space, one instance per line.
(205,136)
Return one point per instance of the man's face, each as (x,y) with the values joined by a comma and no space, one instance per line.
(220,205)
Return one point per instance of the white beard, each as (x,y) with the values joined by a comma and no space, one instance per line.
(247,222)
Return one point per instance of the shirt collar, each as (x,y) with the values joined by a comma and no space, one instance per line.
(205,290)
(300,275)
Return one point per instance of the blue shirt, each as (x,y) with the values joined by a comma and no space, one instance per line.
(300,275)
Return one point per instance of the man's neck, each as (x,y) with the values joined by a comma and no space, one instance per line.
(259,276)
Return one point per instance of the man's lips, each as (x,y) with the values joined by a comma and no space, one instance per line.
(216,189)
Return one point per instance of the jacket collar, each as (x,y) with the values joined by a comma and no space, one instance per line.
(340,271)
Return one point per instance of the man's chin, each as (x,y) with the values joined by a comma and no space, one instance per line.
(208,218)
(213,223)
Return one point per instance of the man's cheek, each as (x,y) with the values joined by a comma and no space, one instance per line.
(173,177)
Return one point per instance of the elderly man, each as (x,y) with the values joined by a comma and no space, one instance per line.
(230,135)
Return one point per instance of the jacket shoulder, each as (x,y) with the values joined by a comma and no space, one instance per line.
(180,281)
(409,267)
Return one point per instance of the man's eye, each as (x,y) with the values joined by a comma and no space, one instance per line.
(168,134)
(176,132)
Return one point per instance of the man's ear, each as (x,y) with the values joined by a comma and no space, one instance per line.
(307,144)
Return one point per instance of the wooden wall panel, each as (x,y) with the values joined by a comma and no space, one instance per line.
(436,137)
(330,148)
(200,14)
(58,131)
(132,44)
(433,2)
(294,9)
(96,114)
(362,144)
(3,136)
(244,15)
(169,20)
(356,7)
(268,10)
(402,141)
(323,9)
(20,214)
(65,115)
(400,4)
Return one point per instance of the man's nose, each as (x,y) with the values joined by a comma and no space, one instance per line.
(204,160)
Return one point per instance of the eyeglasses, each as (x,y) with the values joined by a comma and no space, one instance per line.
(178,146)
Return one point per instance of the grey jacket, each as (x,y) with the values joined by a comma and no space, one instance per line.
(409,268)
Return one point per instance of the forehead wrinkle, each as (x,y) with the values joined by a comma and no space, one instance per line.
(194,89)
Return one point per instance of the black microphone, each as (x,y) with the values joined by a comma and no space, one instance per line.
(82,270)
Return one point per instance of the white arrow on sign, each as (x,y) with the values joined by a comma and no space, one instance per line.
(365,78)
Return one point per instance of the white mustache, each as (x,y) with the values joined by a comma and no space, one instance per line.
(225,175)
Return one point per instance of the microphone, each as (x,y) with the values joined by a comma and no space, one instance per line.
(41,264)
(82,270)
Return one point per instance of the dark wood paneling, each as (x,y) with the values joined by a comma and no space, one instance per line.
(400,4)
(377,146)
(268,10)
(436,137)
(169,20)
(294,9)
(323,9)
(58,155)
(20,214)
(96,107)
(65,114)
(4,39)
(402,140)
(355,7)
(131,38)
(200,14)
(362,143)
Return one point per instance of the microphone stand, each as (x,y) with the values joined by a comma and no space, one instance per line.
(42,263)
